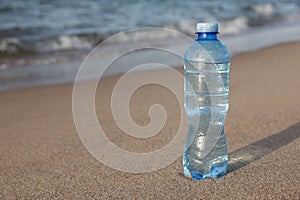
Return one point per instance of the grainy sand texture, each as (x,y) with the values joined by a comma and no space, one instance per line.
(42,157)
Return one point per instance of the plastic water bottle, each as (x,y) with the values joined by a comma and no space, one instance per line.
(206,85)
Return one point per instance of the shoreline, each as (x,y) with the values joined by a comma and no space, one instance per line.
(64,73)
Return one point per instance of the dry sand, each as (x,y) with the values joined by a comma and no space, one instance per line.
(41,156)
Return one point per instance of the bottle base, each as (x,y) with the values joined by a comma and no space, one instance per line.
(217,171)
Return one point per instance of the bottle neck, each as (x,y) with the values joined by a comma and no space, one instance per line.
(207,35)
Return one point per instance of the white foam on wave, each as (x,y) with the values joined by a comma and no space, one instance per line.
(266,10)
(143,34)
(226,27)
(286,31)
(65,42)
(10,45)
(234,26)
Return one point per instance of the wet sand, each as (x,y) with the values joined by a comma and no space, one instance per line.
(42,157)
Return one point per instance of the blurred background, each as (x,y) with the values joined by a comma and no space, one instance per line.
(44,42)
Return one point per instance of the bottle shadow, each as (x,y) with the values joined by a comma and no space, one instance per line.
(263,147)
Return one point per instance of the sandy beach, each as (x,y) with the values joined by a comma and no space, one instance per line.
(42,157)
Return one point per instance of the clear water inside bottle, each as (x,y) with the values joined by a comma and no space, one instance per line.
(206,105)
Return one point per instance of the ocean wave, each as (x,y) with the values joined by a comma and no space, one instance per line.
(227,27)
(257,15)
(64,42)
(234,26)
(10,45)
(266,10)
(15,46)
(264,13)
